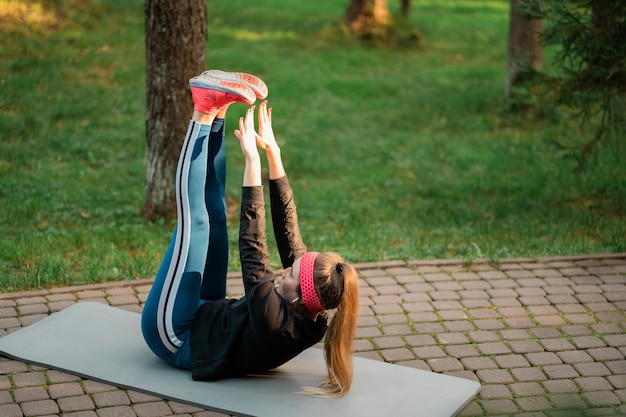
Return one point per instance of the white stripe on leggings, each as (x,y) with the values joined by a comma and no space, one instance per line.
(174,275)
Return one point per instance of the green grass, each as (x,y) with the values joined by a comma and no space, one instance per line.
(398,152)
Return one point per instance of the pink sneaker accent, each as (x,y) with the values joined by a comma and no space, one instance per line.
(255,83)
(210,94)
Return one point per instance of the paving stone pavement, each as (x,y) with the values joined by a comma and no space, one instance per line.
(544,337)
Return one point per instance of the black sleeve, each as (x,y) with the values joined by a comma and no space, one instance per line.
(267,309)
(253,253)
(285,221)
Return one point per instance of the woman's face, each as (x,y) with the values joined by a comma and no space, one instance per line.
(290,279)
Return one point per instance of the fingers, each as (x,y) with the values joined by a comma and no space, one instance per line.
(246,124)
(261,112)
(249,120)
(265,115)
(246,133)
(267,112)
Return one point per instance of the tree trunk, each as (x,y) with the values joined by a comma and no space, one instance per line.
(604,21)
(364,14)
(524,47)
(405,8)
(602,14)
(176,40)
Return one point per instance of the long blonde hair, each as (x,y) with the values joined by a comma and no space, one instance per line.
(337,285)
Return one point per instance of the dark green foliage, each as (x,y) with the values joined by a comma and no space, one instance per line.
(591,66)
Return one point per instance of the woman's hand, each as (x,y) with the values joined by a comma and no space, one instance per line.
(247,135)
(247,139)
(266,140)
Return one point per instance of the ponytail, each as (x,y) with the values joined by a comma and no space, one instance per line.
(337,283)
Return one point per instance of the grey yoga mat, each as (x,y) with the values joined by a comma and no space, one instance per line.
(103,343)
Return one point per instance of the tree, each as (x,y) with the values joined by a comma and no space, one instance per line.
(591,60)
(405,8)
(524,53)
(364,16)
(176,40)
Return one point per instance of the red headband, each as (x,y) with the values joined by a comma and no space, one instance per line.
(309,296)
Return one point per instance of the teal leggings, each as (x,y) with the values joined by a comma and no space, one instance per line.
(194,267)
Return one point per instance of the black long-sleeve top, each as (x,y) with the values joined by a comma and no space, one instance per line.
(260,331)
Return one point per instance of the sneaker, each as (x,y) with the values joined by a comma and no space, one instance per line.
(252,81)
(211,94)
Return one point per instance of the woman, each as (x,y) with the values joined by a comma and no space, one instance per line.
(187,321)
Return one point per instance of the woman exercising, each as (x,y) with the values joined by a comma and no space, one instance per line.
(187,319)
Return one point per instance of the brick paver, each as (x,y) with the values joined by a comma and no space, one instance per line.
(545,337)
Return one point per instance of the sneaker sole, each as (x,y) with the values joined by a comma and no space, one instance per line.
(226,86)
(255,83)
